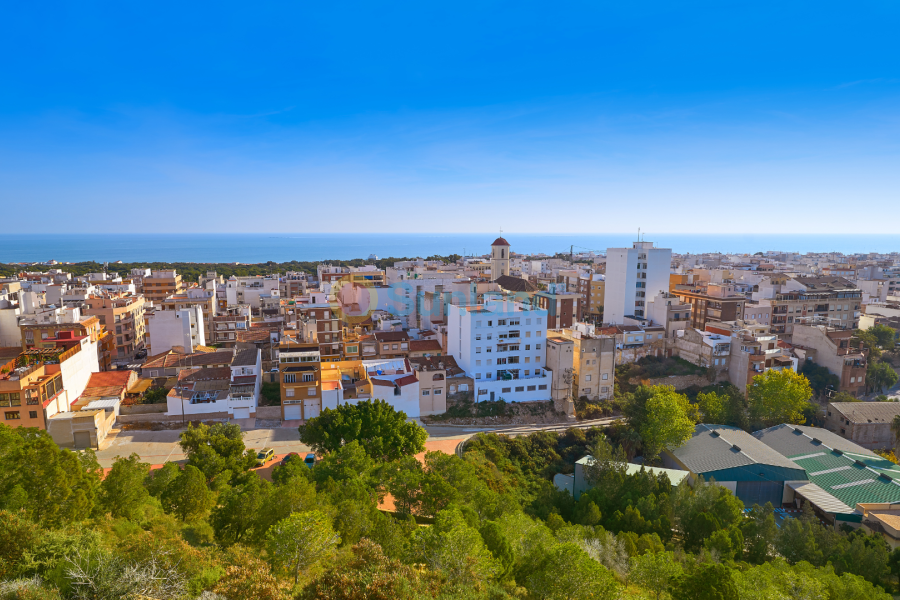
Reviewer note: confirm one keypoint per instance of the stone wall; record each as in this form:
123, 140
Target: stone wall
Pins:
679, 382
142, 409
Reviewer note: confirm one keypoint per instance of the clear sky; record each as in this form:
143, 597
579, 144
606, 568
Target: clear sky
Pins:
569, 116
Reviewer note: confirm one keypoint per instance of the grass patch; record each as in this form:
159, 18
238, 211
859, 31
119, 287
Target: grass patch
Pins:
270, 394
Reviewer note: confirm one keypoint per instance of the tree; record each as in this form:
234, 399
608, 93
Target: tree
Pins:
712, 407
53, 485
187, 496
381, 430
158, 480
705, 582
17, 536
669, 421
455, 548
655, 571
404, 480
239, 509
880, 375
250, 580
499, 547
216, 449
122, 492
566, 572
779, 397
820, 378
300, 541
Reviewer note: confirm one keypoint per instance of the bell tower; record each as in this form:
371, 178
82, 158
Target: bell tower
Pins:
499, 258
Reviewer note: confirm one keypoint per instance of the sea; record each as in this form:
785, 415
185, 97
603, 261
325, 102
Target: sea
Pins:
263, 247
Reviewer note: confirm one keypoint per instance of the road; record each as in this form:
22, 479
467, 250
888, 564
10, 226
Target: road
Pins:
158, 447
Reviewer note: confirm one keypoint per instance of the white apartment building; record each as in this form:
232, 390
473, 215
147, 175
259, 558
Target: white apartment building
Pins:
182, 328
633, 277
501, 344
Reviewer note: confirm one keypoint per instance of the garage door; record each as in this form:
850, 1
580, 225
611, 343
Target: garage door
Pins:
310, 408
242, 413
82, 439
292, 411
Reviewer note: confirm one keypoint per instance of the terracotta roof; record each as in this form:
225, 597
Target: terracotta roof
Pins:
425, 346
99, 391
383, 382
500, 242
406, 380
515, 284
245, 358
391, 336
111, 378
253, 336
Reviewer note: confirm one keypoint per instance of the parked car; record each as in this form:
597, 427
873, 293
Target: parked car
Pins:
264, 456
291, 456
310, 460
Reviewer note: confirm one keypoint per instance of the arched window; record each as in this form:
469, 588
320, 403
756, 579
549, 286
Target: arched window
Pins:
502, 253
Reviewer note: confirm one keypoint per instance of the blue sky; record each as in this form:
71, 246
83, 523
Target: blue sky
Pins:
465, 116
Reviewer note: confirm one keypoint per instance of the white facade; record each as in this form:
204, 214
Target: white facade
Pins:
502, 346
634, 276
77, 369
176, 328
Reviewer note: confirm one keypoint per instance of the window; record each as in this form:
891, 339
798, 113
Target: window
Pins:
32, 414
527, 372
520, 388
477, 349
477, 375
528, 359
542, 387
478, 336
12, 415
587, 378
386, 347
853, 380
505, 390
439, 392
490, 323
395, 347
477, 323
426, 392
528, 321
311, 391
289, 392
605, 376
490, 361
290, 378
477, 363
539, 320
537, 346
307, 377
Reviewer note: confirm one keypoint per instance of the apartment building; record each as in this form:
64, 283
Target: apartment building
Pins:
633, 277
159, 285
669, 312
560, 305
318, 323
123, 317
229, 323
190, 298
714, 302
834, 299
865, 423
299, 371
560, 359
183, 330
500, 345
592, 362
229, 391
30, 391
44, 329
834, 348
436, 374
591, 291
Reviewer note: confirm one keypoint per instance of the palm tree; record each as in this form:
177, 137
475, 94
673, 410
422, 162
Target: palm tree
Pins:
631, 440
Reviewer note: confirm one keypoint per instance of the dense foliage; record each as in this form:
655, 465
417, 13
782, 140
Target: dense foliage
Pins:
485, 525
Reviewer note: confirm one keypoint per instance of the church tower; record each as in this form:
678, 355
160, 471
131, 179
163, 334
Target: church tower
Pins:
499, 258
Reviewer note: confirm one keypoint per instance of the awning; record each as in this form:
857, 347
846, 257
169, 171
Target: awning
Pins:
140, 386
818, 496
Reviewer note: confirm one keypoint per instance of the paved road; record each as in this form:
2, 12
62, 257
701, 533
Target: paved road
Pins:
157, 447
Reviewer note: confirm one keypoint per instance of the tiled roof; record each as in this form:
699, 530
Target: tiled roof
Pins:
717, 447
794, 440
254, 335
515, 284
391, 336
110, 378
500, 242
100, 391
223, 357
209, 374
425, 346
245, 358
407, 380
434, 363
868, 412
